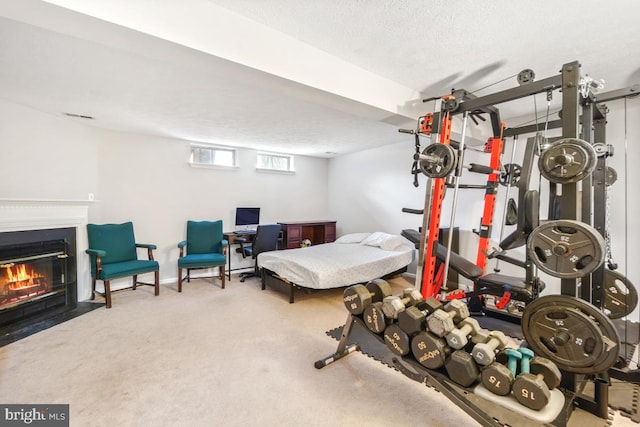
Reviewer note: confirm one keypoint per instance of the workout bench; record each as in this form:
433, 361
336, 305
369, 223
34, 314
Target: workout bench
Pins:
491, 284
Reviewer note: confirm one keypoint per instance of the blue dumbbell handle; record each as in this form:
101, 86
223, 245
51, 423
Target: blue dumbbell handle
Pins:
512, 363
527, 355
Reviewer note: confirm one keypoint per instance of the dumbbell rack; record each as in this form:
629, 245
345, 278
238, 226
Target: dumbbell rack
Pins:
354, 336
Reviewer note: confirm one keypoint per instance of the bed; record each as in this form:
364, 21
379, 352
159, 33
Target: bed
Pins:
352, 258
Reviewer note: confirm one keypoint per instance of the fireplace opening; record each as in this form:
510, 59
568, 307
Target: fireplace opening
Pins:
37, 273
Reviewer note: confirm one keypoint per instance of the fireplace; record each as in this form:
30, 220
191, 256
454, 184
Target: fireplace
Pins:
37, 273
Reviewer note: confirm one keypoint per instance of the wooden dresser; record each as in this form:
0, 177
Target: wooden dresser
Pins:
293, 233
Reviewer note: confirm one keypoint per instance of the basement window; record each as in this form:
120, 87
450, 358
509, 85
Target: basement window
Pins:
274, 162
213, 156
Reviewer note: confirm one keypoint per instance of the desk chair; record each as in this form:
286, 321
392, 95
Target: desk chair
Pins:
265, 240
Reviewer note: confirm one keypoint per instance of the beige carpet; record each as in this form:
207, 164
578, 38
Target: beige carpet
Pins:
212, 357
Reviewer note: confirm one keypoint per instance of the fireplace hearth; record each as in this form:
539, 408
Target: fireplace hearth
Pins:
37, 273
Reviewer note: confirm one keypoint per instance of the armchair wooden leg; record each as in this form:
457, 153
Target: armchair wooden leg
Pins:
107, 293
135, 281
157, 283
93, 289
222, 275
179, 279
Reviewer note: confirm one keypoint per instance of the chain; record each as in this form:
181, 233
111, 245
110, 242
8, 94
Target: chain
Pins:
607, 220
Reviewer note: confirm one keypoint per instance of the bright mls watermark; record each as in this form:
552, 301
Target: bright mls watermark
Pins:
34, 415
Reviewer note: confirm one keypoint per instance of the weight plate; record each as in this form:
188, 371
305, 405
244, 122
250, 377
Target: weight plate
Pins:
510, 175
441, 162
567, 161
566, 248
620, 295
610, 176
572, 333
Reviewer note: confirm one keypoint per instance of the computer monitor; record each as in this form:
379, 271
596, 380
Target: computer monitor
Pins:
247, 218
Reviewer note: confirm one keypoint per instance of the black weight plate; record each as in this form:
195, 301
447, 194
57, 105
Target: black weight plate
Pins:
442, 160
566, 248
572, 333
567, 161
620, 295
564, 335
511, 174
609, 332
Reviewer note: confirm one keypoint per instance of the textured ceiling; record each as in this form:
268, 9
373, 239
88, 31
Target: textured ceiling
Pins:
435, 45
133, 79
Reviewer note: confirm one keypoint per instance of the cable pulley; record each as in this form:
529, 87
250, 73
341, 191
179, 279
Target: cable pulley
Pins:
526, 76
567, 161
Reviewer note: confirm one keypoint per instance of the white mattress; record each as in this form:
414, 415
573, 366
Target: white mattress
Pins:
334, 265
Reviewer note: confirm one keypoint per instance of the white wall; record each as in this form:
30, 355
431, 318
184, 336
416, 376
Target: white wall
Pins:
44, 156
146, 180
368, 190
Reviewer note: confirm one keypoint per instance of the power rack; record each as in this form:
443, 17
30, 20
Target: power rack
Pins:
586, 390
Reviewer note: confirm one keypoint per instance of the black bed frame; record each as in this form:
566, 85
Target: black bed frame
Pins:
276, 281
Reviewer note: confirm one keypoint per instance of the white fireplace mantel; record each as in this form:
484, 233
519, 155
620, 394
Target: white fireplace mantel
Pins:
26, 214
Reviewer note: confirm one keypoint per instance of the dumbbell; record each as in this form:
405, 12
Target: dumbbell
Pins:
394, 304
498, 378
413, 319
358, 297
397, 340
480, 336
539, 375
429, 350
485, 353
441, 322
458, 337
375, 319
461, 368
398, 336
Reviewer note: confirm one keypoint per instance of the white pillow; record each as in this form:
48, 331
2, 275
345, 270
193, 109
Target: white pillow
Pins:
376, 239
394, 242
385, 241
352, 238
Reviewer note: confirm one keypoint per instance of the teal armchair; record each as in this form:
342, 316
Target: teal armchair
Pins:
205, 248
113, 253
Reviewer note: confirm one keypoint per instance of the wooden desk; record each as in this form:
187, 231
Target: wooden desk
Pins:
293, 233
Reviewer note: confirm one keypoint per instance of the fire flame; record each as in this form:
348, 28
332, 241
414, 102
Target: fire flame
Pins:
20, 274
